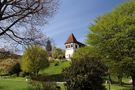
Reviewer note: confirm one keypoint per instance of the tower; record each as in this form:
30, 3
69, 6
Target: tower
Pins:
71, 45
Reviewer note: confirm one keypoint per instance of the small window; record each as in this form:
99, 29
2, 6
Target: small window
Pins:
67, 46
71, 45
75, 46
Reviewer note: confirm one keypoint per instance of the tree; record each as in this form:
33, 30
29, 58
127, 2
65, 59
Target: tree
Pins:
48, 45
113, 35
58, 53
8, 66
16, 16
15, 69
36, 37
34, 59
86, 71
6, 54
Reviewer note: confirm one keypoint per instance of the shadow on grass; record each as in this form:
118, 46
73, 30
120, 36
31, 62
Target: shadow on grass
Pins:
54, 78
2, 88
126, 87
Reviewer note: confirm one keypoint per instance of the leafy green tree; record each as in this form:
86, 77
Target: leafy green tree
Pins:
34, 59
58, 53
113, 35
86, 71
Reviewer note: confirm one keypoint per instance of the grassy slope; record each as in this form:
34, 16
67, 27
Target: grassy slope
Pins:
52, 69
20, 83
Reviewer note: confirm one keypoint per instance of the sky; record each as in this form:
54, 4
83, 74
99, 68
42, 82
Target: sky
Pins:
75, 16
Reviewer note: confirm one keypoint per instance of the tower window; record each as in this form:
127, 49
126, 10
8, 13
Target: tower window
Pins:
75, 46
67, 46
71, 45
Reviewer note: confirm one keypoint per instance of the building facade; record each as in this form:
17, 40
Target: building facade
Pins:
71, 45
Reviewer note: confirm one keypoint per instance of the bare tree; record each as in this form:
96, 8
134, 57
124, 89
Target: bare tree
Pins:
16, 16
35, 36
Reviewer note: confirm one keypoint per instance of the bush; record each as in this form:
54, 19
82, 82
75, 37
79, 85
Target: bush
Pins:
23, 74
58, 53
35, 85
38, 85
34, 59
57, 63
15, 69
10, 66
86, 72
49, 86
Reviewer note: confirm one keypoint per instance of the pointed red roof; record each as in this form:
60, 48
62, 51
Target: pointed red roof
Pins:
71, 39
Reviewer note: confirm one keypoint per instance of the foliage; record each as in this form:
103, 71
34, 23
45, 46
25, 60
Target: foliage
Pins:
12, 84
86, 71
58, 53
5, 53
48, 46
9, 66
49, 85
113, 35
37, 85
57, 63
15, 69
34, 59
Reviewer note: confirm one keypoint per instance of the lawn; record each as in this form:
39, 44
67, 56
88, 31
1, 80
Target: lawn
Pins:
18, 83
54, 69
118, 87
13, 84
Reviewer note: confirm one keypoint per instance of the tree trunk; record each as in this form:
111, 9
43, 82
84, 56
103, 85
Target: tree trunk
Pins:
120, 79
109, 76
133, 82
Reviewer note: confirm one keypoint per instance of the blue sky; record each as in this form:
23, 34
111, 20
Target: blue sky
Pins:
75, 16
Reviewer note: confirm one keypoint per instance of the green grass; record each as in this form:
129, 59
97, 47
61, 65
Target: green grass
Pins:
118, 87
13, 84
53, 70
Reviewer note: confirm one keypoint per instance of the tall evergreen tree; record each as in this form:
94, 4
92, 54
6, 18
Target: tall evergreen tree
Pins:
48, 46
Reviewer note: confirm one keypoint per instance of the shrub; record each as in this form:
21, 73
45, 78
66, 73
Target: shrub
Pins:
10, 66
57, 63
15, 69
34, 59
86, 72
38, 85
